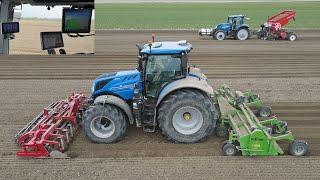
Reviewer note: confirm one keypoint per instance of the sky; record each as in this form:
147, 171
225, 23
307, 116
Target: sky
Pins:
29, 11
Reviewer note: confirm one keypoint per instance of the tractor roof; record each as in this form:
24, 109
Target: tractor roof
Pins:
239, 15
167, 47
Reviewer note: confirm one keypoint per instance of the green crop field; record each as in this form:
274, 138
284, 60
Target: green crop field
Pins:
198, 15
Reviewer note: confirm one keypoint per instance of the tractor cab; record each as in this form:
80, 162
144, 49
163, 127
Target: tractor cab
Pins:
232, 24
235, 21
161, 63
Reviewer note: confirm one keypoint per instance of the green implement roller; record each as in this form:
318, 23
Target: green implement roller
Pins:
247, 133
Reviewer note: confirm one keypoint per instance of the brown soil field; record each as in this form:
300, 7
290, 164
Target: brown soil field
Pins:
28, 40
285, 74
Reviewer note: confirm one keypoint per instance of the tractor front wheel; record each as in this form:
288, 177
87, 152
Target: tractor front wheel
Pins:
187, 116
220, 35
104, 124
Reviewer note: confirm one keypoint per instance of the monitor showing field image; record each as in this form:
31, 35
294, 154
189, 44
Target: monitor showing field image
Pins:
76, 20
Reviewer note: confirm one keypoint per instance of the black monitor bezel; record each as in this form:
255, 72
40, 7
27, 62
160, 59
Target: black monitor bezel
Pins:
4, 23
42, 43
63, 21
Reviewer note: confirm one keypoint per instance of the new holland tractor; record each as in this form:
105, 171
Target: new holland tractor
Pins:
235, 27
163, 91
166, 92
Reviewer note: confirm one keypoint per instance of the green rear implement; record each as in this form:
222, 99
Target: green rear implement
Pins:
248, 134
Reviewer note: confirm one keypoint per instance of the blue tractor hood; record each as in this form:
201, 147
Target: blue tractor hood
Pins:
223, 26
120, 84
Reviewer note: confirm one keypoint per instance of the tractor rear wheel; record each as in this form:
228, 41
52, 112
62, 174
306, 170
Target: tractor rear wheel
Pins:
187, 116
104, 124
220, 35
242, 34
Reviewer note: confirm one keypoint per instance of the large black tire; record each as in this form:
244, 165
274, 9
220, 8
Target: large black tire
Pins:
194, 101
229, 149
222, 131
265, 111
298, 148
113, 123
243, 34
292, 36
220, 35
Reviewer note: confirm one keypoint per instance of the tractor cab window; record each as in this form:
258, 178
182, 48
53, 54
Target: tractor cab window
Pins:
235, 22
161, 69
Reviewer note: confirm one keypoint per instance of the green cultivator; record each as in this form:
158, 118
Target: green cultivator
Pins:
247, 133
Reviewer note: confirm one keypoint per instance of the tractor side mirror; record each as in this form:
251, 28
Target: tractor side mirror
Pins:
139, 49
184, 64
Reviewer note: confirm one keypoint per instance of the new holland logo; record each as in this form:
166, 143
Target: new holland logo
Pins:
128, 86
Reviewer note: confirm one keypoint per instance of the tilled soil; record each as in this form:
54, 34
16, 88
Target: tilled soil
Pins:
285, 74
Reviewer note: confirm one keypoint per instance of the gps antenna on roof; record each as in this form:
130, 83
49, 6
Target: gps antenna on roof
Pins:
153, 36
150, 45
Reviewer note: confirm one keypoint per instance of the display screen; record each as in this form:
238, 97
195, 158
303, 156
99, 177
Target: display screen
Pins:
76, 20
10, 27
59, 1
51, 40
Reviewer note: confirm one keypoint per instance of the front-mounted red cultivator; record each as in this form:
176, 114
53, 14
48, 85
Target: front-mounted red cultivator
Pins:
48, 135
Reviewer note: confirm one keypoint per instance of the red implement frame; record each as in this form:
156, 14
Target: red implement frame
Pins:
52, 129
281, 19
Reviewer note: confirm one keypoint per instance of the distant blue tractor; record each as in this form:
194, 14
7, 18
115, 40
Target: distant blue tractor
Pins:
235, 27
164, 91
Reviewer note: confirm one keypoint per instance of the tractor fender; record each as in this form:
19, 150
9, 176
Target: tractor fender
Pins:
190, 82
244, 26
114, 100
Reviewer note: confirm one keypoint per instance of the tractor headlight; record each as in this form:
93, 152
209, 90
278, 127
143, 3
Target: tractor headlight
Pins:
204, 76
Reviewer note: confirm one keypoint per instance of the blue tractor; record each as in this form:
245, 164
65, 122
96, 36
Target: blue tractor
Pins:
164, 91
235, 27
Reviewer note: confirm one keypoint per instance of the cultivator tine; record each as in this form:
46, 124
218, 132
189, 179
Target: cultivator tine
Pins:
48, 135
31, 124
58, 155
